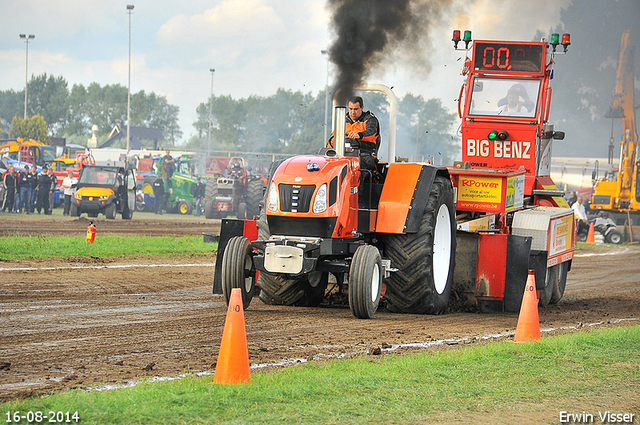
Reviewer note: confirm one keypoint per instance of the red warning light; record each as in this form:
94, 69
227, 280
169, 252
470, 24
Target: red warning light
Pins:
456, 38
566, 41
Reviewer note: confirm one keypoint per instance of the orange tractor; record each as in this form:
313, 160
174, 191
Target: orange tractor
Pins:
411, 233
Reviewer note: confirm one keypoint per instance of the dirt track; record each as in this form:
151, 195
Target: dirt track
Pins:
77, 323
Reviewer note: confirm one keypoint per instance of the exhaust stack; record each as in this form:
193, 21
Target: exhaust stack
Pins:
338, 131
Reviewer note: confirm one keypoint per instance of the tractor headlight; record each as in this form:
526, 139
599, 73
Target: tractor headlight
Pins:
320, 203
272, 201
77, 195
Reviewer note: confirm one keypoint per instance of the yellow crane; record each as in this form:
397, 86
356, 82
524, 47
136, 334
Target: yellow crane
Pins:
619, 193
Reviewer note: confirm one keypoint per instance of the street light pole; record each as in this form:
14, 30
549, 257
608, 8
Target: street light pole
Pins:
129, 11
26, 69
326, 100
210, 116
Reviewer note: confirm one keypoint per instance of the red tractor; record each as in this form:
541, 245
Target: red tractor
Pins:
234, 191
411, 233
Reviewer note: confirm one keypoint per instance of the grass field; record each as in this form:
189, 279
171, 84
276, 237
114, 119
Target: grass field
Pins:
19, 247
43, 246
495, 383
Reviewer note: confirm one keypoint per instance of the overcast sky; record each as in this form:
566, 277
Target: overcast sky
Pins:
255, 46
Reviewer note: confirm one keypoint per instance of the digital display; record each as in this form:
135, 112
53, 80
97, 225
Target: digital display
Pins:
508, 57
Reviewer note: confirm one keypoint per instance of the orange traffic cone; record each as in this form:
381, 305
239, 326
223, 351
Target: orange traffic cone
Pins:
233, 359
591, 236
528, 328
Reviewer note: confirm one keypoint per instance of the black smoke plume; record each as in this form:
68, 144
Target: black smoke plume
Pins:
369, 31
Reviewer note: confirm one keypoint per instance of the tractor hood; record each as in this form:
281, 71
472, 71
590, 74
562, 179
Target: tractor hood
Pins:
309, 193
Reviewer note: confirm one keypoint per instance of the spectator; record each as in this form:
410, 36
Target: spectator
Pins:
26, 180
43, 188
54, 185
68, 186
21, 189
169, 168
580, 213
33, 184
573, 198
158, 193
9, 181
198, 193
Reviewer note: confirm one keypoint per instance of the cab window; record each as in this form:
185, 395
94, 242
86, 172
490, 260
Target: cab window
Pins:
508, 97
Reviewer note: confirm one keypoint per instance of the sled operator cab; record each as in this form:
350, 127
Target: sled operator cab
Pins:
504, 106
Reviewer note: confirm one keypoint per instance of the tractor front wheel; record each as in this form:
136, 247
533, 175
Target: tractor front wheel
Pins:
185, 208
238, 270
365, 282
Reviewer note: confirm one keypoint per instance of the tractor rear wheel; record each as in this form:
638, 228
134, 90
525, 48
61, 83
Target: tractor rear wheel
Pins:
254, 194
425, 259
238, 270
365, 282
560, 281
210, 194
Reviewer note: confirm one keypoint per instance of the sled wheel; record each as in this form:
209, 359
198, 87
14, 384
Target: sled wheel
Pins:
550, 279
560, 281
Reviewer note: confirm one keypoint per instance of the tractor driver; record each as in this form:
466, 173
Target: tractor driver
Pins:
363, 129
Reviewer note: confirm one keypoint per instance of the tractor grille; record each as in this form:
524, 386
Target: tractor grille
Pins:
295, 197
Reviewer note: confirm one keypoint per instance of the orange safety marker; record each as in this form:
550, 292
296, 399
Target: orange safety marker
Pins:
528, 328
591, 236
233, 359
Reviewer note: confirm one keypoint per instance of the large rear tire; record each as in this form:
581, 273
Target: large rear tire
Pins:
238, 270
242, 211
210, 194
365, 282
254, 194
425, 260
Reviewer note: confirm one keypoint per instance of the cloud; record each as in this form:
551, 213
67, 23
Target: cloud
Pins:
231, 20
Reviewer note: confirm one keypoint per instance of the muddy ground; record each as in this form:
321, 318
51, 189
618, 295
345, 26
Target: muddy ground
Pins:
90, 322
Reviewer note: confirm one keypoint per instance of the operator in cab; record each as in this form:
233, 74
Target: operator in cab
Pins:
363, 129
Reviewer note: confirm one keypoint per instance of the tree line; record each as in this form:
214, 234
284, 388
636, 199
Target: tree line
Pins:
72, 112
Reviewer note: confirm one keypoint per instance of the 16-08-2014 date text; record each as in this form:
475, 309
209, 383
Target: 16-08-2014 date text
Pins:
42, 417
